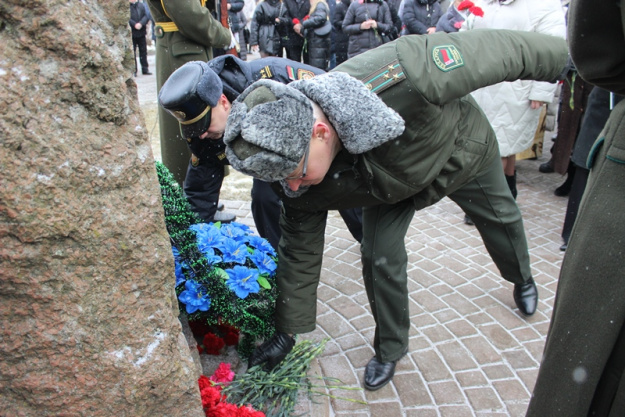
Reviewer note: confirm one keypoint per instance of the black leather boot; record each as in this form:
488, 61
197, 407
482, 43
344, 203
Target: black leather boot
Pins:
526, 297
511, 180
378, 374
272, 351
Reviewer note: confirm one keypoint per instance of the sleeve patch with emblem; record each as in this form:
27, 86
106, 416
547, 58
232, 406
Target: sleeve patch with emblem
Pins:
299, 74
447, 57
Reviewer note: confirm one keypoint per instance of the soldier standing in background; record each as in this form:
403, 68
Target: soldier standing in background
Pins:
187, 31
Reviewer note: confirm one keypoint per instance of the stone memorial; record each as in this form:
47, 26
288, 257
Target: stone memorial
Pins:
88, 317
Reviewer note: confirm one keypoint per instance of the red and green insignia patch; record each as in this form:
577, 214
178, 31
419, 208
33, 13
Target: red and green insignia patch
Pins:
300, 74
447, 57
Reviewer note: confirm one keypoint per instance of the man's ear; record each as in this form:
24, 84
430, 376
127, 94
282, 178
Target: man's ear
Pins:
321, 130
224, 101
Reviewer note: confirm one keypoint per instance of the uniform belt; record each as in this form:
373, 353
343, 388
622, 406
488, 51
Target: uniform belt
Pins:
161, 27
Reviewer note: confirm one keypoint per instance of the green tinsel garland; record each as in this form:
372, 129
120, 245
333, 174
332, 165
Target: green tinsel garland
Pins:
254, 315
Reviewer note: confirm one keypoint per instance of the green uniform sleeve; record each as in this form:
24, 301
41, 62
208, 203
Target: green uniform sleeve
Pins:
597, 36
196, 23
447, 66
300, 253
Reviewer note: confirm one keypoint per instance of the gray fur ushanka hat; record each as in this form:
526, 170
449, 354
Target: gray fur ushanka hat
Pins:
268, 131
270, 124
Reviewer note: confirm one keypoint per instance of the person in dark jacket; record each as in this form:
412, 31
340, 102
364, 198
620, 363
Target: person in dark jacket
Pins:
138, 22
232, 77
316, 28
582, 372
393, 6
364, 23
292, 41
237, 22
264, 34
341, 39
393, 130
596, 113
421, 16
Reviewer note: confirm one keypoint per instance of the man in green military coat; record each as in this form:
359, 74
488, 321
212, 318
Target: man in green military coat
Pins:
393, 130
583, 368
185, 31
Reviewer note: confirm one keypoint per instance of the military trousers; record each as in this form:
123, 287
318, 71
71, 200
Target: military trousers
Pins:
487, 199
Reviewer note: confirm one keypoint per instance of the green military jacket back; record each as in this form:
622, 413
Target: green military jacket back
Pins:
447, 139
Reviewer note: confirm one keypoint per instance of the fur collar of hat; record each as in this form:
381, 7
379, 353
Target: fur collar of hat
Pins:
361, 119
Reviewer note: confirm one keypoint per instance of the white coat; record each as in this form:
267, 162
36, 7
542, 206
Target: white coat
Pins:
507, 104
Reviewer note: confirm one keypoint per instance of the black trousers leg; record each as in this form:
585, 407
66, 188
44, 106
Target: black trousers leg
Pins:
353, 220
201, 187
266, 208
143, 53
580, 179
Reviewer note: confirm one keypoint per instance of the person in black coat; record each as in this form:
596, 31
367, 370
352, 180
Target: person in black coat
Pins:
138, 21
341, 38
364, 22
421, 16
316, 28
292, 42
264, 34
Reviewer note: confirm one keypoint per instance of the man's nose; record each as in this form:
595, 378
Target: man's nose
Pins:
294, 184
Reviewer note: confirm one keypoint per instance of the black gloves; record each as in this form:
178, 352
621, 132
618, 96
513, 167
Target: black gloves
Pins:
272, 351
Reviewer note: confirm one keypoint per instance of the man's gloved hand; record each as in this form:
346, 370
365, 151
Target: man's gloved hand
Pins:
272, 351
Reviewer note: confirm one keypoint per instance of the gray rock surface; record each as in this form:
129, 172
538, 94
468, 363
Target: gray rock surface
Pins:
89, 318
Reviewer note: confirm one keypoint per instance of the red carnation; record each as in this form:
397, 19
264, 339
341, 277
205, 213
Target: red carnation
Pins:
296, 21
244, 411
465, 5
221, 410
211, 397
213, 344
223, 374
477, 11
231, 338
204, 382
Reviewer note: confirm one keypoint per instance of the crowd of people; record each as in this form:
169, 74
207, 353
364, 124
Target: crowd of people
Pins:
454, 133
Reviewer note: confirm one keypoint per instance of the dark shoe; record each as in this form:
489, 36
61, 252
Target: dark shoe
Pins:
467, 220
546, 168
273, 351
147, 73
563, 247
526, 297
563, 190
220, 206
224, 217
378, 374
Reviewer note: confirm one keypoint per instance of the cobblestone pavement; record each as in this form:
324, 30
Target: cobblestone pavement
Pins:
471, 352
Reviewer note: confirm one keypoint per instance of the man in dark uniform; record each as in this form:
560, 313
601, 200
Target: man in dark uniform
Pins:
199, 95
393, 130
186, 31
